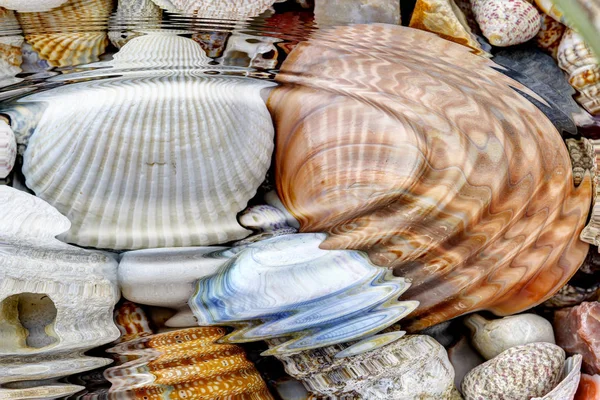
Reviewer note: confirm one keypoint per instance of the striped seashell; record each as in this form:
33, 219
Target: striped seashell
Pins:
132, 322
576, 58
31, 5
8, 149
506, 22
287, 286
141, 174
184, 364
413, 367
521, 372
446, 20
550, 35
405, 174
217, 9
134, 15
567, 388
56, 300
70, 46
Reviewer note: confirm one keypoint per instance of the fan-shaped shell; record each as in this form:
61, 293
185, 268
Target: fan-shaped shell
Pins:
56, 300
162, 160
436, 167
184, 364
576, 58
506, 22
287, 286
69, 46
217, 9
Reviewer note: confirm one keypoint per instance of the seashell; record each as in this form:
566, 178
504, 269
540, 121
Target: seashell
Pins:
491, 338
173, 195
213, 43
67, 48
550, 35
245, 50
266, 221
184, 364
217, 9
589, 388
413, 367
8, 149
287, 286
591, 233
446, 207
166, 277
577, 60
10, 49
335, 12
521, 372
463, 358
445, 19
506, 22
31, 5
577, 331
56, 300
567, 388
130, 15
550, 9
132, 322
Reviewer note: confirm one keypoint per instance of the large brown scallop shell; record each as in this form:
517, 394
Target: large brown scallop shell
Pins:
414, 150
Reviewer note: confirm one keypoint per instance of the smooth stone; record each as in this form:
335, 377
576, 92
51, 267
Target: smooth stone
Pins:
589, 387
332, 12
492, 337
519, 373
463, 358
578, 331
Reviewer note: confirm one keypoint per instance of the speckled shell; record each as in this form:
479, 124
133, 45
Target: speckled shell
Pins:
132, 322
550, 35
446, 20
67, 48
576, 59
413, 367
567, 388
217, 9
521, 372
184, 364
396, 166
31, 5
492, 337
287, 287
56, 300
506, 22
131, 172
8, 149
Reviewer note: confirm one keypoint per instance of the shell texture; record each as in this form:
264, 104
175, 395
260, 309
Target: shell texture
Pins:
8, 149
491, 338
403, 174
150, 160
519, 373
132, 15
445, 19
567, 388
218, 9
507, 22
550, 35
550, 9
70, 46
31, 5
132, 322
56, 300
185, 364
10, 49
265, 221
413, 367
576, 58
287, 286
245, 50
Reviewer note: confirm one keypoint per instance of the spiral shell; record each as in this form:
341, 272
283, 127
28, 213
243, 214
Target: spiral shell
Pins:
396, 166
506, 22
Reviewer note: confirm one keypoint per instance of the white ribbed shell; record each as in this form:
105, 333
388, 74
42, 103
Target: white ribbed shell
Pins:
219, 9
8, 149
151, 161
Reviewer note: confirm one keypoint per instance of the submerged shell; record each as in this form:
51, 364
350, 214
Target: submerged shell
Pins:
397, 166
129, 17
8, 149
567, 388
576, 58
445, 19
56, 300
68, 48
507, 22
157, 160
184, 364
519, 373
217, 9
413, 367
287, 287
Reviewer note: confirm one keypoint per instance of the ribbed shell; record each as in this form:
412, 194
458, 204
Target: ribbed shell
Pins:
576, 58
217, 9
8, 149
185, 364
10, 49
134, 14
153, 161
71, 45
420, 154
506, 22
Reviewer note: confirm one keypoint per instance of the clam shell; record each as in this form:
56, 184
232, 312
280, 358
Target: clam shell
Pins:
521, 372
403, 173
577, 60
567, 388
446, 20
184, 364
131, 172
56, 300
413, 367
287, 286
506, 22
217, 9
8, 149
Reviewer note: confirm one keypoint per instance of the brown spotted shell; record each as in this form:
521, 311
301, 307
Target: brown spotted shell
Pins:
414, 150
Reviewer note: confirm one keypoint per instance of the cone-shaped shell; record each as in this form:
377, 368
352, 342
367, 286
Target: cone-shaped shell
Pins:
185, 364
436, 167
506, 22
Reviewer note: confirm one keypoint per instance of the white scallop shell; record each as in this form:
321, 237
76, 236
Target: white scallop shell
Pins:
8, 149
217, 9
151, 161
